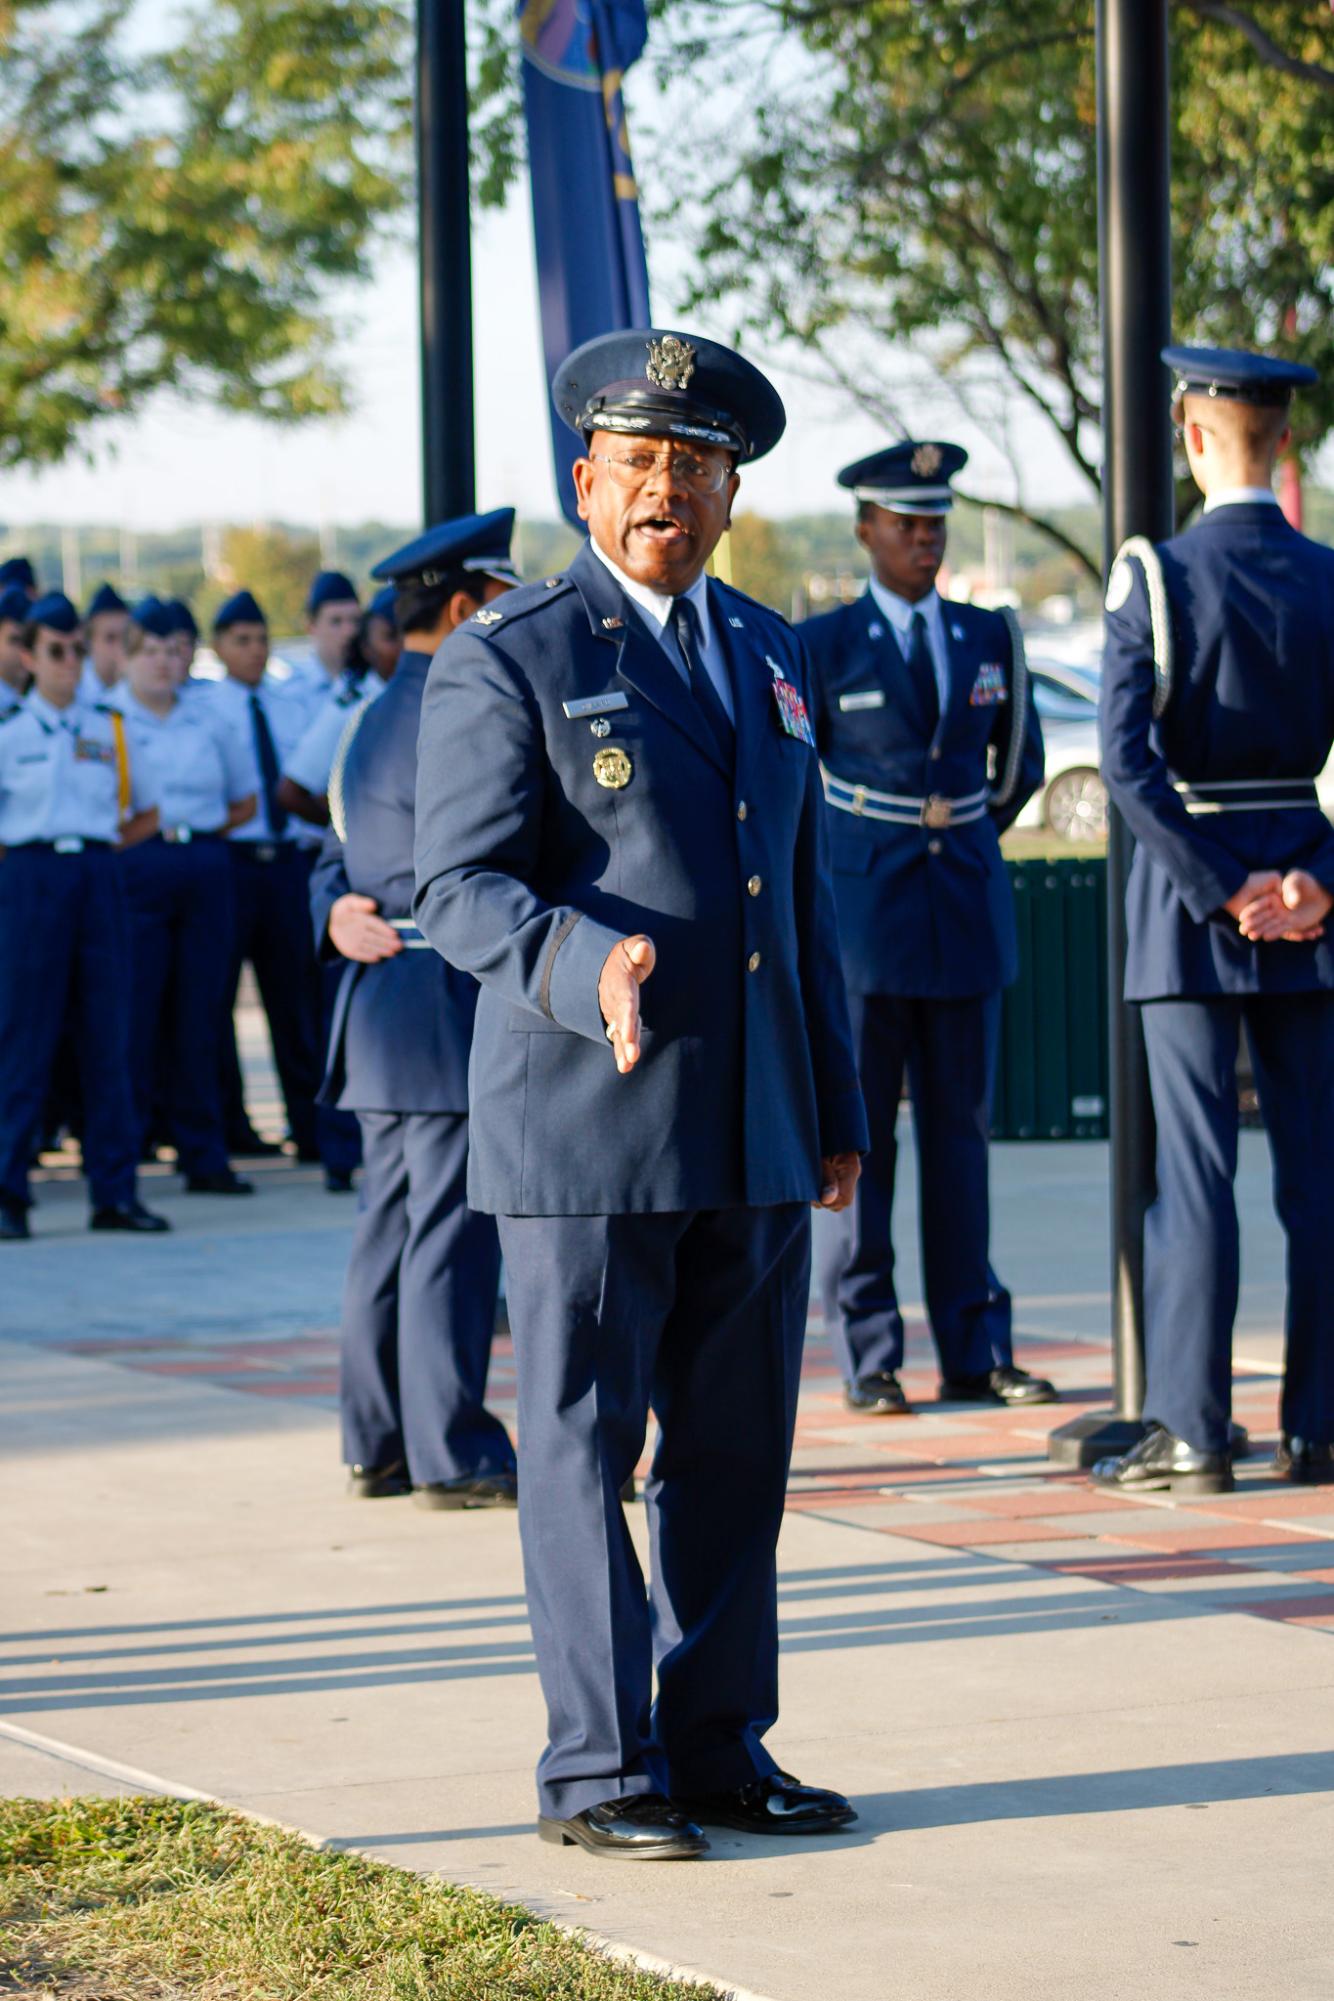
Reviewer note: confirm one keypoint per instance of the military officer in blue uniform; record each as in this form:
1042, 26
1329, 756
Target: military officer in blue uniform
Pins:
14, 675
419, 1301
620, 832
1217, 717
69, 792
181, 904
930, 746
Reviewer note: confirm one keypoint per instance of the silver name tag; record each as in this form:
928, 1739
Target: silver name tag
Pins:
596, 705
869, 698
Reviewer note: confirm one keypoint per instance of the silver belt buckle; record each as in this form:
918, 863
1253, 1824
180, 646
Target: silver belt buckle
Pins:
937, 811
182, 836
69, 844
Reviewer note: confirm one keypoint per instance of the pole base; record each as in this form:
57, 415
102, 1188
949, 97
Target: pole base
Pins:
1097, 1434
1102, 1434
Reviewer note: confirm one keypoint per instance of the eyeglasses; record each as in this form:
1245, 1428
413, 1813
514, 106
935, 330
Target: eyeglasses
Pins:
63, 650
634, 469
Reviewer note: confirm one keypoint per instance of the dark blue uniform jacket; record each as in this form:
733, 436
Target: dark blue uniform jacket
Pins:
1252, 696
529, 871
401, 1029
922, 912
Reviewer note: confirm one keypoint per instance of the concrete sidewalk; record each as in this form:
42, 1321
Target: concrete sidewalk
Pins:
1090, 1741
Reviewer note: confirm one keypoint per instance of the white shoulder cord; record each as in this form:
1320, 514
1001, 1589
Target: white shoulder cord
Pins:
1014, 750
1160, 615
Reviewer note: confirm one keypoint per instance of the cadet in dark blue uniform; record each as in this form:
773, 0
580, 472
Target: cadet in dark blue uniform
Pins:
419, 1301
1217, 717
69, 790
930, 746
618, 789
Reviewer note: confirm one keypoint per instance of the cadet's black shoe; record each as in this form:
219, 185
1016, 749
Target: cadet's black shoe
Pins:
1304, 1462
337, 1181
249, 1146
377, 1483
224, 1183
474, 1490
644, 1827
1005, 1385
1160, 1463
128, 1216
776, 1804
878, 1395
13, 1225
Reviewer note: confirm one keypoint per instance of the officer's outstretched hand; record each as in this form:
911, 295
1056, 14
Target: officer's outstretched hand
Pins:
624, 971
839, 1174
357, 933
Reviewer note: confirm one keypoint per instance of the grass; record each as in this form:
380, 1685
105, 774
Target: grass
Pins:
163, 1900
1036, 844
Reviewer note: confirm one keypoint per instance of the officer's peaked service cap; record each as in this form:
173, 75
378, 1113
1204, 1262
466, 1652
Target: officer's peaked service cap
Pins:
14, 604
909, 478
477, 542
1234, 373
242, 608
105, 598
55, 612
652, 383
330, 587
18, 570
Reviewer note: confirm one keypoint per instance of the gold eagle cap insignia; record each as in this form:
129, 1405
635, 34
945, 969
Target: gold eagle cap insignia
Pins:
671, 362
926, 460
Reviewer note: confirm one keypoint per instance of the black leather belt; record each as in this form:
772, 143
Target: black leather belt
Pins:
263, 851
68, 844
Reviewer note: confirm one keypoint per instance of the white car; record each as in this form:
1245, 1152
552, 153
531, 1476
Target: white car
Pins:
1072, 800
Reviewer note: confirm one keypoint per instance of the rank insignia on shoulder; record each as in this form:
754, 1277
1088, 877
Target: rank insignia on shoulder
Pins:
612, 624
613, 769
487, 617
989, 687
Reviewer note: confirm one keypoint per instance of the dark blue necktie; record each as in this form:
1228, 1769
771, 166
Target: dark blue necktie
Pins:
691, 642
268, 767
921, 668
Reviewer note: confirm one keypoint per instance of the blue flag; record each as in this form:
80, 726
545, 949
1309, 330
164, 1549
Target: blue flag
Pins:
592, 276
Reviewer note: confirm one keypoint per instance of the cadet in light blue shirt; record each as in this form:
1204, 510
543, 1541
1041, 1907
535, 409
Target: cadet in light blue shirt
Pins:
182, 905
68, 792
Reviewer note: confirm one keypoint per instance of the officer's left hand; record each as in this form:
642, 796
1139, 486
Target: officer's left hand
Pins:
1295, 913
839, 1174
357, 933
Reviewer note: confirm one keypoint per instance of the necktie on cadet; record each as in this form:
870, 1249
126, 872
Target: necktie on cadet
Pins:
691, 642
921, 668
268, 767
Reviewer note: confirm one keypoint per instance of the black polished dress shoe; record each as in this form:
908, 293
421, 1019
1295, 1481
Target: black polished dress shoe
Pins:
337, 1181
1006, 1385
249, 1146
1164, 1463
128, 1216
878, 1395
776, 1804
1304, 1461
13, 1225
377, 1483
473, 1490
643, 1827
225, 1182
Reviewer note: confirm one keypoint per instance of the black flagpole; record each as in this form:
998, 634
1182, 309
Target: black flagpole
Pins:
448, 464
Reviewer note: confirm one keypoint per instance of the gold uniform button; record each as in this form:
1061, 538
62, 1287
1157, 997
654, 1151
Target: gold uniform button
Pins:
933, 847
741, 809
755, 885
753, 963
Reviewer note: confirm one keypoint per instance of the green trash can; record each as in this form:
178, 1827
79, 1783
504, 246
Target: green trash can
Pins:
1051, 1075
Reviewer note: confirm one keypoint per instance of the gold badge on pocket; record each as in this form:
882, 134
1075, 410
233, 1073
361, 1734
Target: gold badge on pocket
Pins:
613, 769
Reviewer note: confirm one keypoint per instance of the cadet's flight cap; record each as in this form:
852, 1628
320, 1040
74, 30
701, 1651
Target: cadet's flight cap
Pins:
105, 598
54, 611
145, 610
479, 542
14, 604
1234, 373
242, 608
384, 603
176, 616
654, 384
154, 618
18, 570
911, 478
330, 587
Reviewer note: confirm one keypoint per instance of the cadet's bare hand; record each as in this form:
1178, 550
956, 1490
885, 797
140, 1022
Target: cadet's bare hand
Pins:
357, 932
624, 971
1257, 902
1306, 905
839, 1174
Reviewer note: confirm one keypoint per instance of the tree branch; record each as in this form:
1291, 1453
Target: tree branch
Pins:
1019, 512
1264, 45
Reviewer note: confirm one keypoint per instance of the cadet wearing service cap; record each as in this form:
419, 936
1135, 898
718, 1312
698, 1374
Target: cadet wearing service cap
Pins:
419, 1302
620, 832
1217, 718
930, 746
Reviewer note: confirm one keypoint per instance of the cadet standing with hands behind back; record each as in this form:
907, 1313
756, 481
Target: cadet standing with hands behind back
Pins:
620, 833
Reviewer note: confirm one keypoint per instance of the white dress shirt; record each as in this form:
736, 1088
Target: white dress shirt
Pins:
59, 778
898, 614
1239, 496
659, 610
193, 760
